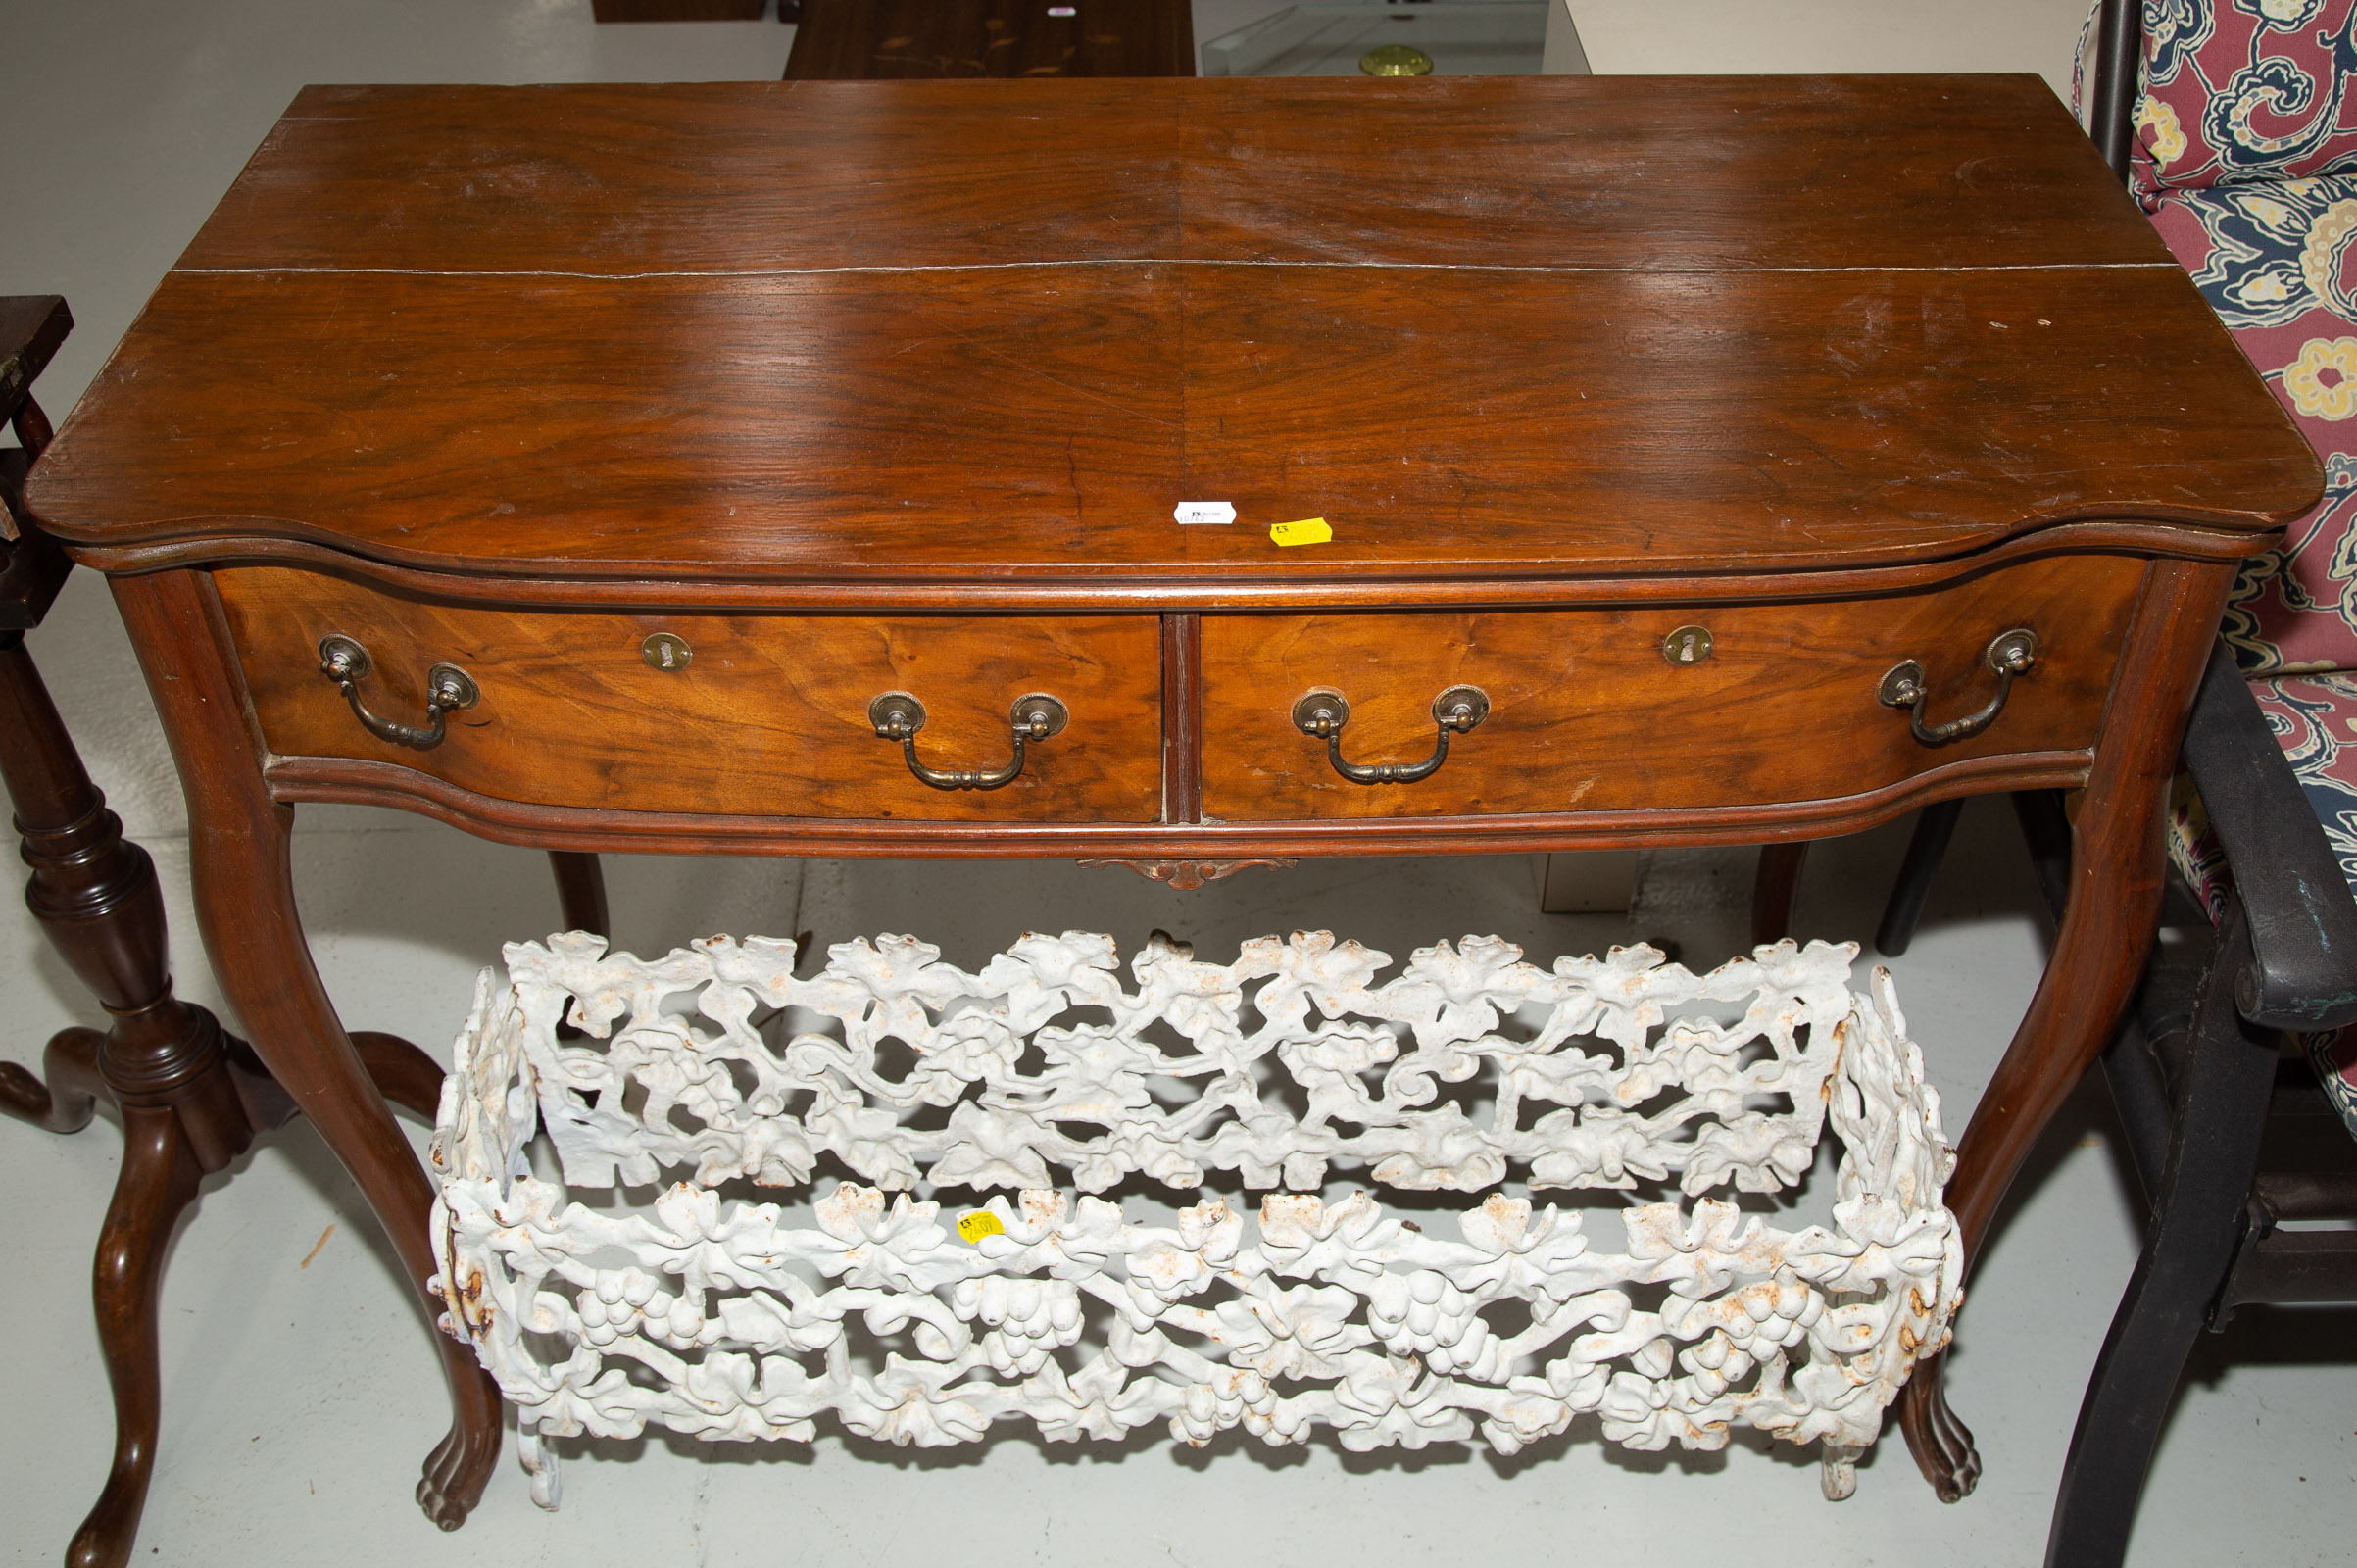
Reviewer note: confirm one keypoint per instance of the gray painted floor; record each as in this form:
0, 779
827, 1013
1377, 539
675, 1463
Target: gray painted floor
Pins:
300, 1390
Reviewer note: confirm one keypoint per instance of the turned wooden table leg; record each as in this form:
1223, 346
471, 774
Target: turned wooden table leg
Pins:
2116, 873
1776, 890
246, 908
580, 891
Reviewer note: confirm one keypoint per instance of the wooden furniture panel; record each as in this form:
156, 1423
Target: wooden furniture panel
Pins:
628, 180
674, 426
1554, 171
1043, 423
1587, 714
1667, 174
1587, 426
850, 40
768, 718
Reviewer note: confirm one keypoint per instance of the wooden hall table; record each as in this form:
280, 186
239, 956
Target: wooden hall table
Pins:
683, 450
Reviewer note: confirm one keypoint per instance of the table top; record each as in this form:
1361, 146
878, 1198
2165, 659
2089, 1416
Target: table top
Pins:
874, 332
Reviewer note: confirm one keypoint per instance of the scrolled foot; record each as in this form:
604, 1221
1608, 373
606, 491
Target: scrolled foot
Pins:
106, 1536
539, 1463
63, 1103
1943, 1445
456, 1471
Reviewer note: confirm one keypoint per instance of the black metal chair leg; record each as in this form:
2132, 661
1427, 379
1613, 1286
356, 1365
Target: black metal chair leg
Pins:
2196, 1217
2046, 829
1932, 829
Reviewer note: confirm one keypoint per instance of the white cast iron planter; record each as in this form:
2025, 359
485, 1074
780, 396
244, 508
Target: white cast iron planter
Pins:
716, 1318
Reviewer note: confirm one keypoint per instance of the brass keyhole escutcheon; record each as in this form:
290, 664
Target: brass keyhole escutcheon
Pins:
1688, 645
666, 651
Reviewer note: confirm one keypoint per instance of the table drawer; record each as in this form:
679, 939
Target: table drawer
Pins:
768, 717
1588, 713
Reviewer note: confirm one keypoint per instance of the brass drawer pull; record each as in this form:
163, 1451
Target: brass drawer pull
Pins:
1321, 715
2011, 654
898, 716
448, 688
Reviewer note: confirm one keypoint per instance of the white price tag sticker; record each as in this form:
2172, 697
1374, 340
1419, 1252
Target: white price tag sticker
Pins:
1213, 511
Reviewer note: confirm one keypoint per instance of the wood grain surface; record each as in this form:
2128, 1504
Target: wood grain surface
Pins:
1034, 423
1663, 174
1489, 328
705, 178
768, 719
1587, 715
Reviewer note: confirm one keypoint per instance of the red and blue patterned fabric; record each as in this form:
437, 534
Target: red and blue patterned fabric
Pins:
2247, 160
2274, 260
2244, 91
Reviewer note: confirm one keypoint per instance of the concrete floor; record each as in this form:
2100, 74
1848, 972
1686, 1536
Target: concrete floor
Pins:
299, 1388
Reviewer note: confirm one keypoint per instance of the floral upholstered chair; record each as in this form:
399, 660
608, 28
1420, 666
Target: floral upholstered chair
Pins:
2246, 157
2235, 125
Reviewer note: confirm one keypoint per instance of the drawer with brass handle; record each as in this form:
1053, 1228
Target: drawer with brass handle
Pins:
1646, 707
730, 715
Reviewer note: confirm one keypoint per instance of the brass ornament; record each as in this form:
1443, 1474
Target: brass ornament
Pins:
1395, 60
1321, 714
448, 689
899, 715
1905, 687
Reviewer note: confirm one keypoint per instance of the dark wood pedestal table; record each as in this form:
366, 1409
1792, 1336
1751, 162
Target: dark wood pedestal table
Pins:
192, 1096
1710, 460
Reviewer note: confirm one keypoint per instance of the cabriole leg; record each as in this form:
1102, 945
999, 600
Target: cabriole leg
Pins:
60, 1100
158, 1179
2116, 875
246, 908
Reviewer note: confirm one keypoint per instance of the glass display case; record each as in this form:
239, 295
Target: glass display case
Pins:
1332, 38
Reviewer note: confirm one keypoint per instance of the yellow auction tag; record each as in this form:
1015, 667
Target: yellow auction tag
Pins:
978, 1224
1308, 531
